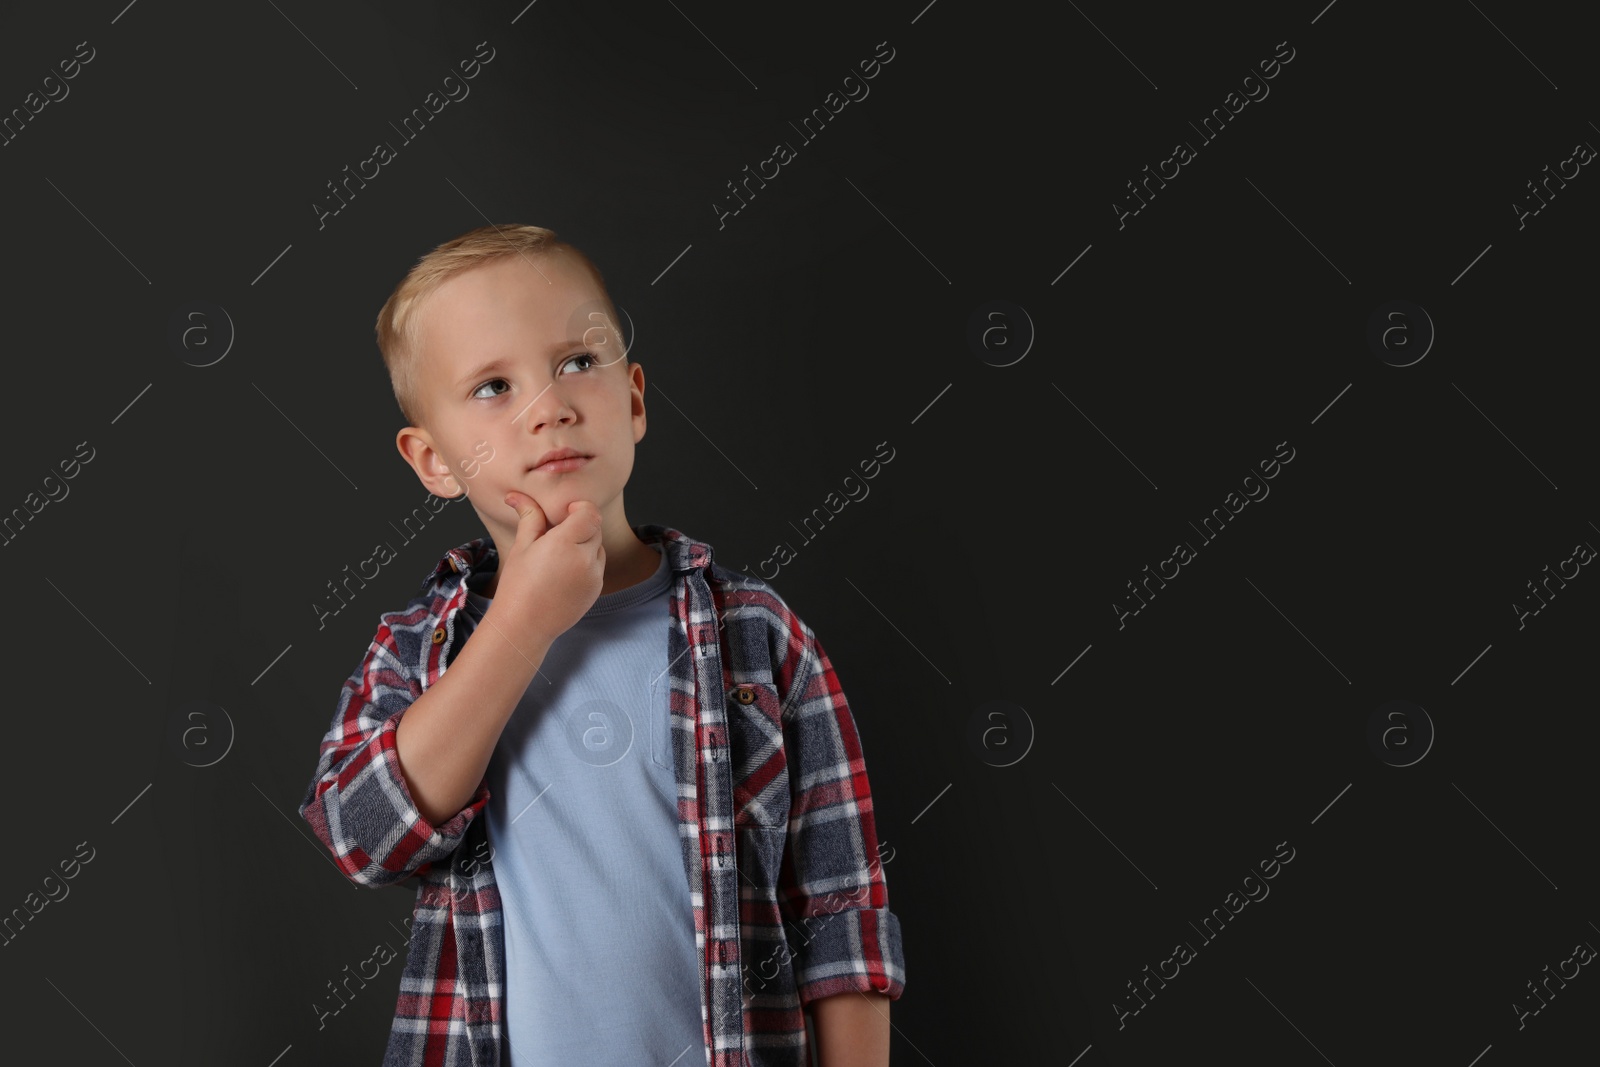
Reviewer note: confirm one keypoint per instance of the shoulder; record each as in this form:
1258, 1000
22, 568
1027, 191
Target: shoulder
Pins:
409, 631
429, 605
761, 633
737, 592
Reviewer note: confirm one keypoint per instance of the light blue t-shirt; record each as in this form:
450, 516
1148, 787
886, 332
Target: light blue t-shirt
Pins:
601, 966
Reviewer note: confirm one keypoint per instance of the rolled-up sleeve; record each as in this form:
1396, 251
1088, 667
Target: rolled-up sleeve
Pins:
833, 894
358, 803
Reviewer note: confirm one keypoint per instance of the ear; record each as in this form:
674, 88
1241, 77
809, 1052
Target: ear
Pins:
433, 470
636, 386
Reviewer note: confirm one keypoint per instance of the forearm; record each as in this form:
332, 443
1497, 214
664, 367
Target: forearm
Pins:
447, 736
852, 1029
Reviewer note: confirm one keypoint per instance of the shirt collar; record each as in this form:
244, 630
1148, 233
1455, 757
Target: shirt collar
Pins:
683, 553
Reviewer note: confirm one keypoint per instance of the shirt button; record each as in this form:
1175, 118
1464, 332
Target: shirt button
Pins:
744, 695
438, 636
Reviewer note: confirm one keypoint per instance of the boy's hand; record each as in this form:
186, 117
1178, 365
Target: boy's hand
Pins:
550, 575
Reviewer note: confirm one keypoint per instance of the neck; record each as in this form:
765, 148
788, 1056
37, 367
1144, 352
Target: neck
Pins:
628, 562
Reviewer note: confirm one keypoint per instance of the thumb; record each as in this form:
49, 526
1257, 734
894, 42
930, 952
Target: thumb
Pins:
529, 513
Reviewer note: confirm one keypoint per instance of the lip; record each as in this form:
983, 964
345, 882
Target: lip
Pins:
561, 459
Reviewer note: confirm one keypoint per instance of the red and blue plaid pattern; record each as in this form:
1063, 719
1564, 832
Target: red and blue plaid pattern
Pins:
775, 818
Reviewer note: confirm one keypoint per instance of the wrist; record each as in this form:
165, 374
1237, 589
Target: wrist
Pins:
511, 623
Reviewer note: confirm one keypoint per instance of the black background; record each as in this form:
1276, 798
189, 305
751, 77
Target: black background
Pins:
828, 316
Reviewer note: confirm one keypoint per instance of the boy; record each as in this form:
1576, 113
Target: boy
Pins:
636, 803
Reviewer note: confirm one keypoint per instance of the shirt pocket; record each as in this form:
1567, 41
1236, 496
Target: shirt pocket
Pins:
658, 719
758, 755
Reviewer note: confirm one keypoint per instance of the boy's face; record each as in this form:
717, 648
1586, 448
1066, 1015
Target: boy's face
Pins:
557, 381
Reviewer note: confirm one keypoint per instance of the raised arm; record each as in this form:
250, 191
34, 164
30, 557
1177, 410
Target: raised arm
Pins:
360, 803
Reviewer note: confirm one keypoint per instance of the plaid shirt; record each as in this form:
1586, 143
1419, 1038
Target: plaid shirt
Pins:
774, 810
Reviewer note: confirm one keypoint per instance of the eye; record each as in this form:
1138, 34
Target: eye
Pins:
582, 355
490, 382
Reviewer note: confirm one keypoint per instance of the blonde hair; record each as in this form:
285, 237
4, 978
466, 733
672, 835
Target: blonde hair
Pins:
397, 326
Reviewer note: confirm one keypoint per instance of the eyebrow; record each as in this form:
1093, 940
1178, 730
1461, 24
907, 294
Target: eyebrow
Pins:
501, 364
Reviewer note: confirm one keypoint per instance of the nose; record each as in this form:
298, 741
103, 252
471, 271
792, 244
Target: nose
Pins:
548, 406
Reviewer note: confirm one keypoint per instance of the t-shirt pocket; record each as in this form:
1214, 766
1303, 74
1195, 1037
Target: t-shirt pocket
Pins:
658, 718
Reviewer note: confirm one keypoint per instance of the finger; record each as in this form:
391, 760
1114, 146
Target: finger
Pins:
530, 515
591, 530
